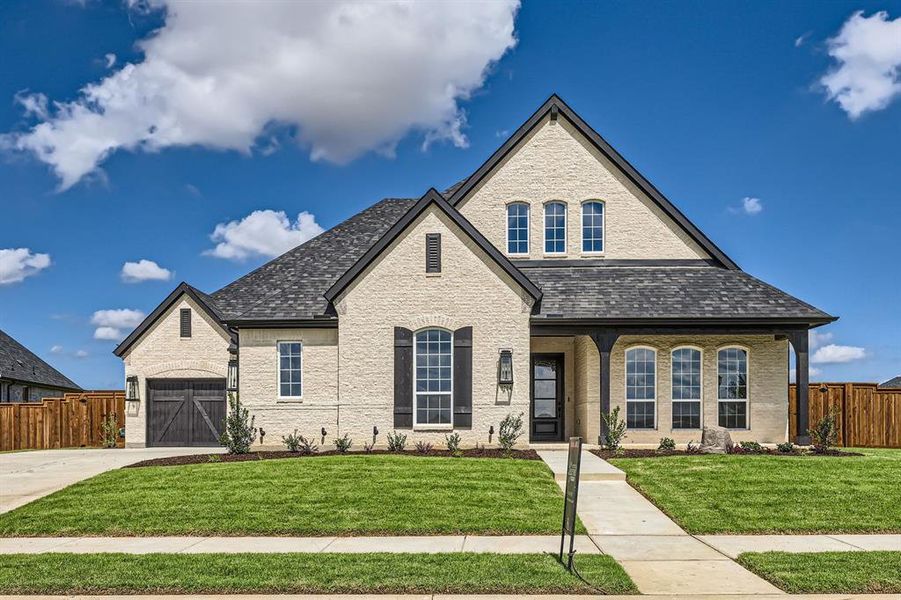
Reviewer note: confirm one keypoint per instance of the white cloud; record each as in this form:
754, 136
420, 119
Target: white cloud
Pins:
815, 339
811, 373
867, 51
833, 353
57, 349
18, 263
111, 322
343, 77
751, 206
81, 354
144, 270
110, 60
801, 39
262, 233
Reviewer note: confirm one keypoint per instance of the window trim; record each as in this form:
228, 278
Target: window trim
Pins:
626, 400
528, 228
565, 228
700, 400
603, 249
747, 399
432, 426
278, 369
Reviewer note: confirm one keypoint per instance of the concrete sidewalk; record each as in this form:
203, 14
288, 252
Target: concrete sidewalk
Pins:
591, 469
733, 545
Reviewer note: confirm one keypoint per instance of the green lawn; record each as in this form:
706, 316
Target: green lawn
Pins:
329, 495
457, 573
774, 494
829, 572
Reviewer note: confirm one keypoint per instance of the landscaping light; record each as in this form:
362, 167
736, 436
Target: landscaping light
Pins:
505, 368
231, 384
131, 388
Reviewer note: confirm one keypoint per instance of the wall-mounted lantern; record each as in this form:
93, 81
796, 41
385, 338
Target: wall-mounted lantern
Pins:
231, 381
505, 368
131, 388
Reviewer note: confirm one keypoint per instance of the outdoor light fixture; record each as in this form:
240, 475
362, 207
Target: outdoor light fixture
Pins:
505, 368
131, 388
375, 430
231, 384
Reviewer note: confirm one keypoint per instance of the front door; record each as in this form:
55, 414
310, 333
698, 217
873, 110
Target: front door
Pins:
547, 398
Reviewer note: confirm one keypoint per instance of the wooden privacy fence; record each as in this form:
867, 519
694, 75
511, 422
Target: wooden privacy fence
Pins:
71, 421
867, 417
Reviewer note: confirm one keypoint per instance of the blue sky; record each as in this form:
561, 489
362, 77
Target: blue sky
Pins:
715, 102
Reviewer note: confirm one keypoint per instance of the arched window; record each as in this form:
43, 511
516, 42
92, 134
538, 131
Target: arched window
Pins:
732, 387
686, 388
517, 228
433, 365
641, 388
555, 228
593, 226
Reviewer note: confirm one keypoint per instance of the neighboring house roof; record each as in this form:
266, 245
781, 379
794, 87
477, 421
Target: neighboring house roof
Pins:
432, 198
894, 382
21, 364
557, 107
664, 292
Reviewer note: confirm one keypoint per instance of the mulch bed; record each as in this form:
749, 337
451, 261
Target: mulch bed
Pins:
196, 459
649, 453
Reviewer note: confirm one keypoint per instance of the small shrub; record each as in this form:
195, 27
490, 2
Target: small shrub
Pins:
423, 447
453, 444
735, 449
109, 430
307, 446
751, 447
368, 447
615, 429
343, 444
239, 433
693, 448
214, 458
292, 441
396, 441
666, 445
509, 431
824, 434
785, 448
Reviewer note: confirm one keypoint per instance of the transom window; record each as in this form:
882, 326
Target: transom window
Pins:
555, 228
593, 227
686, 388
641, 388
732, 388
518, 228
433, 367
290, 362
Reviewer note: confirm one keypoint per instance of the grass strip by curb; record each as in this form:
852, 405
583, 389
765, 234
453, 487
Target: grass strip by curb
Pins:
458, 573
828, 572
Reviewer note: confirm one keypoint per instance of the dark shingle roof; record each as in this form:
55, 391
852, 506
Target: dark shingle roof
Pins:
605, 292
20, 363
894, 382
291, 286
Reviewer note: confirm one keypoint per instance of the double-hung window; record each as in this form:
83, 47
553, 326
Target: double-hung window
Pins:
641, 388
517, 228
686, 388
290, 364
732, 388
593, 227
555, 228
433, 385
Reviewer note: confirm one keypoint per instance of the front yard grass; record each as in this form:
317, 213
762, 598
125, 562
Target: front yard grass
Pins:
828, 572
774, 494
328, 495
456, 573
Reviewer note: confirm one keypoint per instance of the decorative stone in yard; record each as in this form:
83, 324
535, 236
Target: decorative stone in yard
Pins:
715, 440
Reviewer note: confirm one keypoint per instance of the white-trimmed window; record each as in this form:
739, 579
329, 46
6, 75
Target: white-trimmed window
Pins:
686, 380
641, 388
555, 228
433, 385
290, 367
592, 227
517, 228
732, 387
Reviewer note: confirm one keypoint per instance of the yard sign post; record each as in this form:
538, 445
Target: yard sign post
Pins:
573, 464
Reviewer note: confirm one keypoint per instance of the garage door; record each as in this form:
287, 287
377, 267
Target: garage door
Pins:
185, 412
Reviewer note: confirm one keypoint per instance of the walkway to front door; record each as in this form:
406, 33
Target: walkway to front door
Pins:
547, 398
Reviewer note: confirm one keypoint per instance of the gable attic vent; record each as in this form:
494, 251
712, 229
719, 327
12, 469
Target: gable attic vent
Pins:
433, 253
185, 322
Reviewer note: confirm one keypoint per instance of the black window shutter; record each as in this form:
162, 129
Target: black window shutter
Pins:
433, 253
463, 378
185, 322
403, 378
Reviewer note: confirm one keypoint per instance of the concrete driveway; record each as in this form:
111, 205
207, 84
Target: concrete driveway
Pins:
27, 476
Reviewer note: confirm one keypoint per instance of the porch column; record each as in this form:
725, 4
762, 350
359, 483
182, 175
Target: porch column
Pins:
604, 340
798, 339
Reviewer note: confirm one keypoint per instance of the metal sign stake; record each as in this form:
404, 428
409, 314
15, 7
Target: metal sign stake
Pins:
571, 497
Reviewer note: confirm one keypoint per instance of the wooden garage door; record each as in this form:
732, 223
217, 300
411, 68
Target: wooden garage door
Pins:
185, 412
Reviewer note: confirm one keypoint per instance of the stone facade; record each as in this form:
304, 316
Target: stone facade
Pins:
556, 163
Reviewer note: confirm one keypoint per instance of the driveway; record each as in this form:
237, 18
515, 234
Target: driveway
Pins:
27, 476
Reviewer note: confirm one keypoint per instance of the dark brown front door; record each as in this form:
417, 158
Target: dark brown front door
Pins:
547, 398
185, 412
